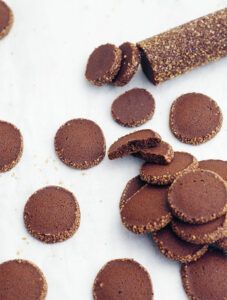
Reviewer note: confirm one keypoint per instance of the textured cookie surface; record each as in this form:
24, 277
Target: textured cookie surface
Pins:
52, 214
195, 118
133, 142
103, 64
198, 196
80, 144
205, 279
129, 64
21, 280
133, 108
6, 19
162, 154
123, 279
201, 233
222, 244
215, 165
164, 175
11, 146
147, 210
174, 248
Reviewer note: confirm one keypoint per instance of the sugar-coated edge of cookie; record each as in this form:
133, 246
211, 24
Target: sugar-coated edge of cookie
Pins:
7, 29
61, 236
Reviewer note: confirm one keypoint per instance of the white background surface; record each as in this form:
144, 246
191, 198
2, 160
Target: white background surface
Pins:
42, 64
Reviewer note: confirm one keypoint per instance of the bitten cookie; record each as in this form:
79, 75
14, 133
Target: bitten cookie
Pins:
207, 233
123, 279
165, 175
133, 108
129, 65
103, 64
21, 280
174, 248
6, 19
216, 165
80, 144
198, 197
52, 214
11, 146
195, 118
134, 142
205, 279
163, 154
147, 210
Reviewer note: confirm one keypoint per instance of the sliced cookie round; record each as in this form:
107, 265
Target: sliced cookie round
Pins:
133, 108
147, 210
134, 142
80, 144
123, 279
103, 64
200, 234
6, 19
222, 244
22, 280
129, 65
165, 175
174, 248
133, 185
205, 279
195, 118
198, 196
11, 146
215, 165
52, 214
162, 154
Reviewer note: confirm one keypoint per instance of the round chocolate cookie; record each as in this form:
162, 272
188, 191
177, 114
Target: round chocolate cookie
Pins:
123, 279
222, 244
200, 234
52, 214
21, 280
195, 118
162, 154
198, 197
11, 146
80, 144
103, 64
205, 279
147, 210
133, 108
129, 65
130, 189
174, 248
134, 142
6, 19
215, 165
165, 175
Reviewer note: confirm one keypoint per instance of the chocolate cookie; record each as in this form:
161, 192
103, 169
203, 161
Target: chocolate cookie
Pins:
162, 154
129, 65
11, 146
198, 197
133, 108
21, 280
103, 64
164, 175
174, 248
6, 19
123, 279
207, 233
52, 214
205, 279
215, 165
195, 118
222, 244
134, 142
80, 144
130, 189
146, 210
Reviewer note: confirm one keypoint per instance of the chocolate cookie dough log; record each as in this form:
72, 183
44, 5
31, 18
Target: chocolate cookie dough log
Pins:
185, 47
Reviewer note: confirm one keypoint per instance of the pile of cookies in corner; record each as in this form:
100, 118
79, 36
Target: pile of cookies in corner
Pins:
181, 204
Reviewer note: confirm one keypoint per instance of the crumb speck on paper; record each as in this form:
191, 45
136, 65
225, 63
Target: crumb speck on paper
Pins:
24, 238
18, 253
